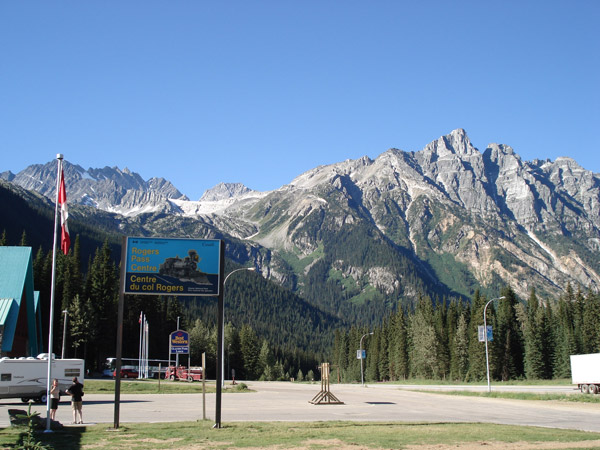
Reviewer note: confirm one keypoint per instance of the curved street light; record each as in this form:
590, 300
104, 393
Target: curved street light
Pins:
249, 269
362, 377
487, 359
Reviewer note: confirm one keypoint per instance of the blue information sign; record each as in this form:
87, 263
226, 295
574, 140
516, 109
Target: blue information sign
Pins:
171, 266
180, 342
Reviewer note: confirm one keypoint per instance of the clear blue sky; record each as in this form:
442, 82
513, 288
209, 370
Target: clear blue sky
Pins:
257, 92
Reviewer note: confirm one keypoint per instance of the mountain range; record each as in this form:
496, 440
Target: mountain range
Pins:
360, 235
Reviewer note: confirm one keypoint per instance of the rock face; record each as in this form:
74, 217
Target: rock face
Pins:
109, 189
446, 220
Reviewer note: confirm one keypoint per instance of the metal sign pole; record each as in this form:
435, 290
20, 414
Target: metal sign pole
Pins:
120, 331
220, 328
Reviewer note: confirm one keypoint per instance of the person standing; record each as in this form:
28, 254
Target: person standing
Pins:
54, 398
76, 393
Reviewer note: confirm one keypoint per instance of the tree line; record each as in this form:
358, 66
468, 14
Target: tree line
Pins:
531, 340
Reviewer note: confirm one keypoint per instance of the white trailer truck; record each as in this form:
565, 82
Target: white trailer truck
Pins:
585, 372
26, 378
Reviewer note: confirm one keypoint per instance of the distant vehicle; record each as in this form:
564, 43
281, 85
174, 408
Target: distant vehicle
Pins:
26, 377
127, 373
585, 372
155, 366
184, 373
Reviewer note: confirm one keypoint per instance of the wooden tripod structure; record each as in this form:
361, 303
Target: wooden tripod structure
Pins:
325, 397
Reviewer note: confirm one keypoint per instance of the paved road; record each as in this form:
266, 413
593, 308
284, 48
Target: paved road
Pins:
281, 401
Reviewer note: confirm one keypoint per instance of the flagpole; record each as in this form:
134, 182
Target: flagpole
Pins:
59, 157
141, 321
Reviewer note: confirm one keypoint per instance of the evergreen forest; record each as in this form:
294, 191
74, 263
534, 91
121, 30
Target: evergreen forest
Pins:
530, 340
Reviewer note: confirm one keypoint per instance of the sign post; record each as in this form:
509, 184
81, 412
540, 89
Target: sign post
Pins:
171, 266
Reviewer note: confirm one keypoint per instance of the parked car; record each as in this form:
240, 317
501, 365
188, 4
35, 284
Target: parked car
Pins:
127, 373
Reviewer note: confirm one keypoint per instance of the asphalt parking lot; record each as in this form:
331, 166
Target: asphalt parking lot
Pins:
284, 401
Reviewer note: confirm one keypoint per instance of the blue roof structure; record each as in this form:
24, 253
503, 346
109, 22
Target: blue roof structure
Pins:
18, 300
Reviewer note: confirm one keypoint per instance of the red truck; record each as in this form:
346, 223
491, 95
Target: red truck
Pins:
184, 373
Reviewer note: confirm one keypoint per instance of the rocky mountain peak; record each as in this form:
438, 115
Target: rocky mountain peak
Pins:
224, 191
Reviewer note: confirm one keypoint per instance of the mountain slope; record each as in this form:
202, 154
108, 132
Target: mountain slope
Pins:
357, 236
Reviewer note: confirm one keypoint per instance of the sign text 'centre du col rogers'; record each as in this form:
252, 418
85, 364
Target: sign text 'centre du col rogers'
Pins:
171, 266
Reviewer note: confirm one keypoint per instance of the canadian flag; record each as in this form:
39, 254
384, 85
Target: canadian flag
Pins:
65, 239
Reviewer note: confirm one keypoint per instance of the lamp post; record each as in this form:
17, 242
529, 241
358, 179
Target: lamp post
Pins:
485, 334
362, 377
64, 334
250, 269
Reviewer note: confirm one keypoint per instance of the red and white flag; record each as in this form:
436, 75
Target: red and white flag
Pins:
65, 239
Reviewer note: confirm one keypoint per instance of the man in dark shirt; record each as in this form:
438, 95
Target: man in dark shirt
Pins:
76, 393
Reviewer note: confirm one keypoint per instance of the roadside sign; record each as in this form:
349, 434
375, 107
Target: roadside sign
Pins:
361, 354
490, 335
179, 342
171, 266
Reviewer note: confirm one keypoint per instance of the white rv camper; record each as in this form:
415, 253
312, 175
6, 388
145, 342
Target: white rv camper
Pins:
26, 378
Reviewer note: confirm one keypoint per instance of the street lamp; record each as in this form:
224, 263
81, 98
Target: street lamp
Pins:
362, 377
487, 359
64, 334
250, 269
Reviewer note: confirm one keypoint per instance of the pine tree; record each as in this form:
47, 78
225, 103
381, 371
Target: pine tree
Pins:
424, 355
477, 366
591, 324
102, 296
442, 332
250, 352
399, 346
371, 364
564, 338
78, 326
266, 361
534, 328
509, 341
460, 345
201, 341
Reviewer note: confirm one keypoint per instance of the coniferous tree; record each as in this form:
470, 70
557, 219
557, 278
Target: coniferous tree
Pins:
102, 299
266, 361
477, 365
590, 329
425, 352
3, 241
460, 345
564, 338
399, 346
201, 342
383, 364
371, 364
78, 326
249, 349
23, 242
442, 332
534, 329
509, 341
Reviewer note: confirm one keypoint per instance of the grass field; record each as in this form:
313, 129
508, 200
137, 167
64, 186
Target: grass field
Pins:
154, 387
317, 435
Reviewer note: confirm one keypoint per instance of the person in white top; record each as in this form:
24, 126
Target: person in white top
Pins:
54, 398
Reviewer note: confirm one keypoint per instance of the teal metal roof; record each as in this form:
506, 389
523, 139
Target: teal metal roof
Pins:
14, 262
5, 307
16, 292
